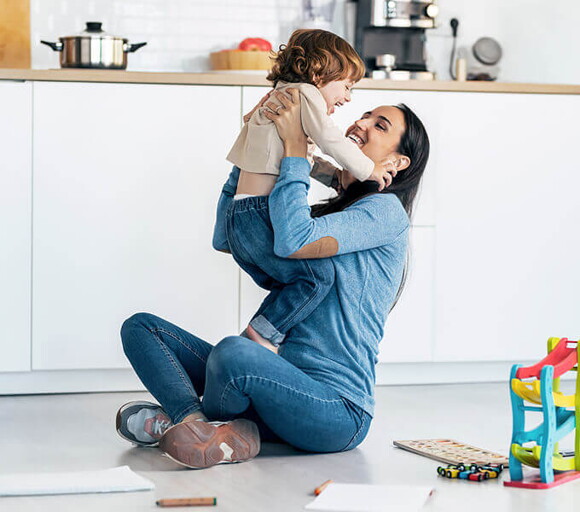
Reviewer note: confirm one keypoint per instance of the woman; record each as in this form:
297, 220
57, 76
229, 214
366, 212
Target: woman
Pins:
317, 392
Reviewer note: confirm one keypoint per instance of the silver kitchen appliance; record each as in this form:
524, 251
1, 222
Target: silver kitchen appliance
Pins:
93, 48
396, 28
318, 14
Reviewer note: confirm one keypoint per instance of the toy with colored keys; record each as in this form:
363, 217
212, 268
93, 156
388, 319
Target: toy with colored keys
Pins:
473, 472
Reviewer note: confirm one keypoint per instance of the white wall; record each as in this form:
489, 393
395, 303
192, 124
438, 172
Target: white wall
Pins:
540, 38
180, 33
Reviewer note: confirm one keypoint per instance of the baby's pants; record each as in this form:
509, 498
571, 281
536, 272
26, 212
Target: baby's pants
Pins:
296, 286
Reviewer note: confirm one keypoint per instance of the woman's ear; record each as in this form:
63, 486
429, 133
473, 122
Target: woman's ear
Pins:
402, 162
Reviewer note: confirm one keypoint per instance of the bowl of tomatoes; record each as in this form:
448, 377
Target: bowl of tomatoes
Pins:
253, 53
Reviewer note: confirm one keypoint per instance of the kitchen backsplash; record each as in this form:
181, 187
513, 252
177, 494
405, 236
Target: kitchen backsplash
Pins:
540, 42
179, 33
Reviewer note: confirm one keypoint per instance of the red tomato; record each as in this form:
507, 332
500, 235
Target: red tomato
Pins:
255, 44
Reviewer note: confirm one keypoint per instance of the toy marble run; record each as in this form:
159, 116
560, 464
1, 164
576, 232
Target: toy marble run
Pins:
537, 389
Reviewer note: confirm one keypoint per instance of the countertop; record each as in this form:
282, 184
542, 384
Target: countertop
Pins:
249, 79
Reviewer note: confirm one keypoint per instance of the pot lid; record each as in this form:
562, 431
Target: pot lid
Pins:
94, 29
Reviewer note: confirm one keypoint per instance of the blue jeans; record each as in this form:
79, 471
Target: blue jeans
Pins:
239, 378
298, 286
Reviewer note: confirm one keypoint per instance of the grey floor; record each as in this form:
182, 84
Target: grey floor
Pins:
76, 432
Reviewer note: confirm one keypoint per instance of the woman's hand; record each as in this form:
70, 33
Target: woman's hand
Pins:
287, 119
253, 335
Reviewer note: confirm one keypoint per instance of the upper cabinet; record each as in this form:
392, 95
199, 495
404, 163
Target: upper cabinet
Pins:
15, 224
126, 181
508, 237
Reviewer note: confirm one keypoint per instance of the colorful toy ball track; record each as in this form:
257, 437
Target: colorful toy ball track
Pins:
544, 395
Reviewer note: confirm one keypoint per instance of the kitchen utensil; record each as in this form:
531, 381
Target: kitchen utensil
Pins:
93, 48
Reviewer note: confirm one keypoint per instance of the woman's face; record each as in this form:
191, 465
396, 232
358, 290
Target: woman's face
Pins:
378, 134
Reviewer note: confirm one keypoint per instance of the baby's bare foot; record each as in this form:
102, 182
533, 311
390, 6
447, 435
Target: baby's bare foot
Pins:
252, 334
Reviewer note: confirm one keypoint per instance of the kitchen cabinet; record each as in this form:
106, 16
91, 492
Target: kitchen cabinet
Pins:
126, 179
409, 333
507, 239
15, 224
107, 202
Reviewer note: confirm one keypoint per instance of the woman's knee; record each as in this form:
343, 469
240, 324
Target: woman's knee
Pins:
133, 328
233, 352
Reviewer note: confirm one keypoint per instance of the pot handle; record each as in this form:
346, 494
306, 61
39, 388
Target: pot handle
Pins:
57, 47
130, 48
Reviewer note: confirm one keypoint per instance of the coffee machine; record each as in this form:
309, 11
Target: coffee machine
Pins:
390, 37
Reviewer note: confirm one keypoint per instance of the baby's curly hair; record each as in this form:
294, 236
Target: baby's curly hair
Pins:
316, 57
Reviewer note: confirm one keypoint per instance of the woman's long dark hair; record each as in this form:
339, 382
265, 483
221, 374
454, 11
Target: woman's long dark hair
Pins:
414, 144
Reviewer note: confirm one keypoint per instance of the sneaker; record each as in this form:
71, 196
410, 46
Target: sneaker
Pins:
200, 444
142, 423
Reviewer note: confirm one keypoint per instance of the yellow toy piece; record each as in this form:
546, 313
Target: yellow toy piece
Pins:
530, 391
531, 457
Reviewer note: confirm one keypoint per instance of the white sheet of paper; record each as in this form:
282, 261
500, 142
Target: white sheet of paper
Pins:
120, 479
365, 497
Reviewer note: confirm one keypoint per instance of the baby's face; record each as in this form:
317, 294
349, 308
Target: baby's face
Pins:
336, 93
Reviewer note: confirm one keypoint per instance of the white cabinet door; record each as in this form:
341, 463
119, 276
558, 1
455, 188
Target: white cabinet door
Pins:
15, 224
251, 295
508, 213
125, 186
409, 330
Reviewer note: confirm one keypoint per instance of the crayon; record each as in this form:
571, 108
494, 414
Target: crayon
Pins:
321, 487
187, 502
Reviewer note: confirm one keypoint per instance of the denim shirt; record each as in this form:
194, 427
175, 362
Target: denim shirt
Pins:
338, 343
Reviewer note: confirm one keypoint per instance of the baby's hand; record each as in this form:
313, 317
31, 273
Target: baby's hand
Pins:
383, 173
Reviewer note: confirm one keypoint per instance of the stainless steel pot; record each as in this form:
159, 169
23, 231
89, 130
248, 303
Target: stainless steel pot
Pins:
93, 48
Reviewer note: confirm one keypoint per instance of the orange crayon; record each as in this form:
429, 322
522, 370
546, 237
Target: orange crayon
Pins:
321, 487
187, 502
